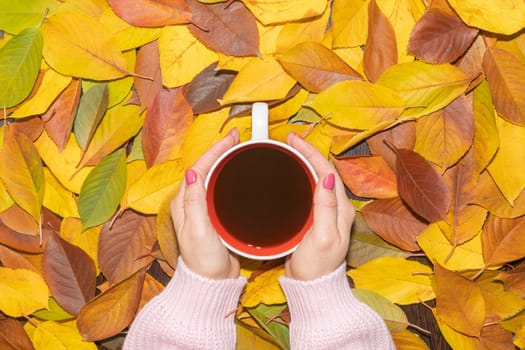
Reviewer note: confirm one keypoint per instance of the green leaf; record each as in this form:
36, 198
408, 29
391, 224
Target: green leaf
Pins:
393, 315
264, 315
101, 191
91, 109
20, 14
20, 61
54, 312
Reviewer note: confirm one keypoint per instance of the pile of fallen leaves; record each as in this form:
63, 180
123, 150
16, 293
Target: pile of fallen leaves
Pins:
106, 103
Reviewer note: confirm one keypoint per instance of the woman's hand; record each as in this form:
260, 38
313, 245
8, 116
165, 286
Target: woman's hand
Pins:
325, 245
199, 244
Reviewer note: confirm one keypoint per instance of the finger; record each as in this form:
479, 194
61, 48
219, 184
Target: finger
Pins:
203, 165
194, 202
325, 211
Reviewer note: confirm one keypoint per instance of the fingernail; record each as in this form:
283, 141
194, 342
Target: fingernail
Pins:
329, 182
191, 176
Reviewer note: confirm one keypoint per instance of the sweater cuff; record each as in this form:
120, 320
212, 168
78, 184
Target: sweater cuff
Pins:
326, 315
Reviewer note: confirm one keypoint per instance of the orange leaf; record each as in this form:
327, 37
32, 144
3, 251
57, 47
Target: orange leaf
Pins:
112, 311
502, 240
459, 301
152, 13
394, 222
369, 177
148, 65
381, 48
13, 335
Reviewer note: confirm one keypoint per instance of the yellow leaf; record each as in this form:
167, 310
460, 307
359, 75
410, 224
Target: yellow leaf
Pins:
399, 280
259, 80
271, 12
280, 131
466, 256
350, 23
516, 325
22, 292
268, 38
248, 340
63, 164
353, 56
92, 8
506, 166
456, 339
148, 193
407, 340
51, 86
57, 198
78, 45
182, 56
459, 301
284, 111
294, 33
87, 240
486, 138
22, 173
320, 140
118, 125
425, 88
51, 335
500, 304
497, 16
356, 104
265, 289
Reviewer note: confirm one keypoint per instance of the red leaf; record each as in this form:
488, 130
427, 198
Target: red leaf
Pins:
381, 48
69, 273
369, 177
13, 336
126, 247
148, 65
394, 222
152, 13
440, 37
58, 119
167, 119
420, 186
230, 29
206, 88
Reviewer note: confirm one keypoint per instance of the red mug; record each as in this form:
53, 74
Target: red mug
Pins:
260, 194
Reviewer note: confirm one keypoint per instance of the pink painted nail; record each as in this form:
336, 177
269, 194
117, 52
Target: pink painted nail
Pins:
329, 181
191, 176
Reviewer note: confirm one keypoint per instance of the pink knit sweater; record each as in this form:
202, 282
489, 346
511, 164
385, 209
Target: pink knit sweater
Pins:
194, 312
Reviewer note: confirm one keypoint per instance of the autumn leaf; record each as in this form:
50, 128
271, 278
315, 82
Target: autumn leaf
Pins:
394, 222
264, 289
440, 37
212, 26
127, 247
61, 336
102, 189
315, 66
121, 301
167, 119
514, 280
459, 301
22, 292
486, 137
420, 186
91, 109
70, 274
19, 66
16, 16
147, 65
152, 13
381, 45
393, 315
501, 239
270, 12
12, 335
408, 340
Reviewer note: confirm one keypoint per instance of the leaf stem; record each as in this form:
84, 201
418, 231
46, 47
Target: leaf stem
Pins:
421, 329
479, 273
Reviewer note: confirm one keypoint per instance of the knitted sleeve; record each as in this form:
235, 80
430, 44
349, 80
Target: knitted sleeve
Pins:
192, 312
326, 315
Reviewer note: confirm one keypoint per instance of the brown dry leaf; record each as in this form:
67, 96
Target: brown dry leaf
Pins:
368, 177
58, 119
168, 117
440, 37
152, 13
420, 186
514, 280
15, 260
13, 335
315, 66
112, 311
231, 29
20, 221
445, 136
70, 274
147, 65
502, 240
125, 247
394, 222
31, 127
506, 77
204, 91
381, 46
459, 302
495, 337
401, 136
